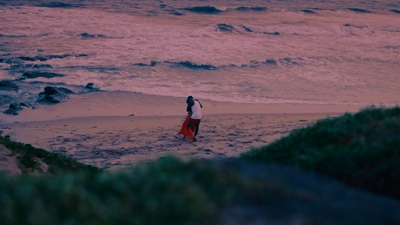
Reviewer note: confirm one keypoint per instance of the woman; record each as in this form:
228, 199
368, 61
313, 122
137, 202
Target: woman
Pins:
192, 121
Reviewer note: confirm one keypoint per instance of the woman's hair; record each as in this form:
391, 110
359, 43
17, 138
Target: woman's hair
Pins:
189, 98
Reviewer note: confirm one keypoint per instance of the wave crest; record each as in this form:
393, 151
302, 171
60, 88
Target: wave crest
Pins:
204, 9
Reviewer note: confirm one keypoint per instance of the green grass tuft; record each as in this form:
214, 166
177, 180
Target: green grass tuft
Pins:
57, 163
361, 149
168, 191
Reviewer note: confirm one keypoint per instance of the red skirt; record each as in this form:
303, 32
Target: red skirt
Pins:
187, 132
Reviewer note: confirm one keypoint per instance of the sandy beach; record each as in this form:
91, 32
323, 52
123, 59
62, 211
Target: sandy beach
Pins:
120, 129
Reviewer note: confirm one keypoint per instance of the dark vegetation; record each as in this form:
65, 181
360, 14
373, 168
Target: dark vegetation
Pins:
168, 191
363, 150
29, 156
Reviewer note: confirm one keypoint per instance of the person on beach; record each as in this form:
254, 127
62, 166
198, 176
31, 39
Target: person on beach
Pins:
193, 119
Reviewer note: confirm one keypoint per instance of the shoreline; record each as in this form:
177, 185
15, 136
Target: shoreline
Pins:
122, 103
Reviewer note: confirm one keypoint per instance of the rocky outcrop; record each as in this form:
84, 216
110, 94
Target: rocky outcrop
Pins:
13, 110
90, 87
54, 95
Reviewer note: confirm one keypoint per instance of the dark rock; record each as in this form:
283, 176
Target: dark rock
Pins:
1, 60
8, 85
89, 85
25, 104
13, 110
15, 106
51, 99
53, 95
36, 74
395, 10
50, 91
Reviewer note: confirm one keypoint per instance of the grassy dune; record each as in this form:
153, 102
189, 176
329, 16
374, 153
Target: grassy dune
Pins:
168, 191
29, 155
361, 149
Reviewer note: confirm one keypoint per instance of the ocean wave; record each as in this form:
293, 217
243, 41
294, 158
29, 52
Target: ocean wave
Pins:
358, 10
86, 35
97, 69
337, 30
152, 64
308, 11
174, 12
42, 58
204, 9
250, 30
36, 74
192, 65
255, 8
354, 25
59, 5
395, 11
195, 66
225, 27
26, 66
13, 36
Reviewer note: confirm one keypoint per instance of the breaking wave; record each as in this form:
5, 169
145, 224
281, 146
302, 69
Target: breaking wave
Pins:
204, 9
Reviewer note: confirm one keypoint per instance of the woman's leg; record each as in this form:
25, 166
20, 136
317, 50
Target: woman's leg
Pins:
197, 129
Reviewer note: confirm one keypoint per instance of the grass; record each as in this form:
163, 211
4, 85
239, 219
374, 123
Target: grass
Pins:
361, 149
168, 191
57, 163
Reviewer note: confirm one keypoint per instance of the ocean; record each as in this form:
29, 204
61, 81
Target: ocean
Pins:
255, 51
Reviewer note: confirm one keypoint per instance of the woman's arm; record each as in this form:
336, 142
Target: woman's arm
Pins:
201, 106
